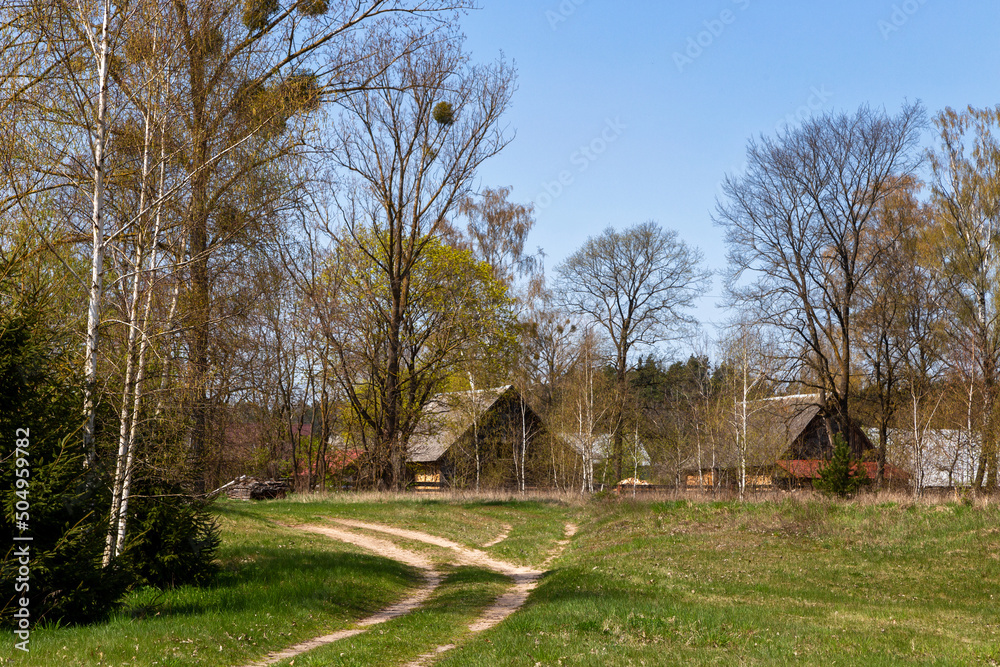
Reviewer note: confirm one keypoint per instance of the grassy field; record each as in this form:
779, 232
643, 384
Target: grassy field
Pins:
808, 582
816, 583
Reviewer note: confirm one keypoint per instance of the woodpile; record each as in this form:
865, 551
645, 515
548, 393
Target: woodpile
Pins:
251, 488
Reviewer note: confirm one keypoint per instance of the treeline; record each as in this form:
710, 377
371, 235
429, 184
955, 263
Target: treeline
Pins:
865, 269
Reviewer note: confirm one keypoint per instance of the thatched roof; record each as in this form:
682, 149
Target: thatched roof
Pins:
786, 417
773, 425
448, 417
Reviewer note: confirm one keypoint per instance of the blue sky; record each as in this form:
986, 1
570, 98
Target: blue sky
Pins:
641, 108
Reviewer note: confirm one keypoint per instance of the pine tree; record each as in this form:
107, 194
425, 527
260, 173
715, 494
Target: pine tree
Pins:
39, 402
841, 475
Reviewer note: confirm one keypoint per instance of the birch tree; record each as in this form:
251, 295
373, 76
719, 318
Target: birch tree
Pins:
966, 190
747, 356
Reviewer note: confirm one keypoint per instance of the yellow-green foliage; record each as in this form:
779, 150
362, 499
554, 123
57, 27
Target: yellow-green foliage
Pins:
257, 12
455, 311
443, 113
300, 92
139, 46
208, 41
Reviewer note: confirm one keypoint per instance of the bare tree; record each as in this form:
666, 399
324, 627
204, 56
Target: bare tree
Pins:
580, 406
408, 150
800, 225
549, 344
636, 286
497, 230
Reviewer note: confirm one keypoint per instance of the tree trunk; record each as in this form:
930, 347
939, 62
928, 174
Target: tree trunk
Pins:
96, 290
618, 447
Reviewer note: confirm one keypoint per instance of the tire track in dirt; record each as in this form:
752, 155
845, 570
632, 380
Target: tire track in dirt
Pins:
432, 578
465, 555
499, 538
525, 579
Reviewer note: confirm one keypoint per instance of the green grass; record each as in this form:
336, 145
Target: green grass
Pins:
277, 587
535, 525
654, 583
444, 619
762, 584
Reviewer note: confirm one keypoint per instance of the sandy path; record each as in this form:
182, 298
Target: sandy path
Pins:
465, 555
499, 538
432, 579
525, 580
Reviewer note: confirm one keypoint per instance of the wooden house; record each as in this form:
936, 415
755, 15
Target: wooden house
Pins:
469, 433
787, 443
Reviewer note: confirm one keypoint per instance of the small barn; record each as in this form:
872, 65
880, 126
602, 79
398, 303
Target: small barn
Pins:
491, 433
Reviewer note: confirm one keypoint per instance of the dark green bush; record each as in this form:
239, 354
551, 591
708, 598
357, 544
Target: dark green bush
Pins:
173, 539
67, 514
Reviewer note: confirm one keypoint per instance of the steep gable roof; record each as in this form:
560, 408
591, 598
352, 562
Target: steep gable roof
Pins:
448, 417
776, 429
786, 417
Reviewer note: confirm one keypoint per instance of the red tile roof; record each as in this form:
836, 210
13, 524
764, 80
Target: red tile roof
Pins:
336, 461
809, 469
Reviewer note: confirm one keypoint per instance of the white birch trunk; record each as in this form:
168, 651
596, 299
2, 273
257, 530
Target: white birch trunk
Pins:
475, 428
133, 307
140, 371
96, 288
524, 441
918, 454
